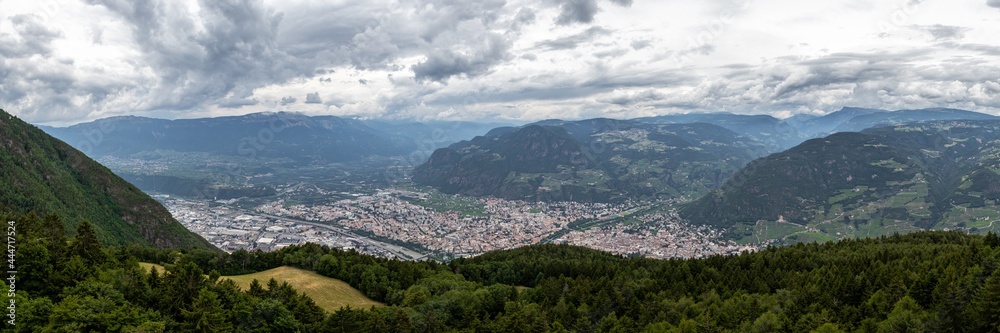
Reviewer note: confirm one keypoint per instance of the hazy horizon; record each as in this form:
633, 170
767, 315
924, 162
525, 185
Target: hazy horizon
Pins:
479, 121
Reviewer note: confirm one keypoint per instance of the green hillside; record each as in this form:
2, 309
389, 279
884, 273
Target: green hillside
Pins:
590, 160
930, 175
42, 174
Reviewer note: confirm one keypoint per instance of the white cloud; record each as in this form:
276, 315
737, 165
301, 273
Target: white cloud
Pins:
516, 59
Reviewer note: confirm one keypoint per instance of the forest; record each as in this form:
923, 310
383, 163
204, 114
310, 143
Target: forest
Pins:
925, 281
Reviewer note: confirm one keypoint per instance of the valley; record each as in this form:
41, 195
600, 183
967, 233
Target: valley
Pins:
417, 224
675, 186
584, 166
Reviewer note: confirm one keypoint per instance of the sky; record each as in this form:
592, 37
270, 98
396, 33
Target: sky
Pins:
70, 61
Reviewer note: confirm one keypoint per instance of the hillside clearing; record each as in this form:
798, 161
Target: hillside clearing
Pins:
329, 293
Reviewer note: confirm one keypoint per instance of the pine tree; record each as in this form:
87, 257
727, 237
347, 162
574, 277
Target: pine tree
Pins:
992, 240
154, 278
986, 304
256, 289
86, 244
206, 314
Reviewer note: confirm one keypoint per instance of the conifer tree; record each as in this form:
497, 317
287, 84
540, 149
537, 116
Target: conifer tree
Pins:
206, 314
86, 244
986, 303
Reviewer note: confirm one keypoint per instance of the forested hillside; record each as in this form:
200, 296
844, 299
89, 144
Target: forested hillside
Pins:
906, 177
40, 173
927, 281
595, 160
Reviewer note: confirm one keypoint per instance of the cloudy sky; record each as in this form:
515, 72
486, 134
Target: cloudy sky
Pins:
67, 61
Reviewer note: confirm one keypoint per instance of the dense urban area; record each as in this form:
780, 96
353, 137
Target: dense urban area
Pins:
411, 224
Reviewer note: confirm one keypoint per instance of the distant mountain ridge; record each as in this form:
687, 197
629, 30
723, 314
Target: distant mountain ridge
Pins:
778, 134
774, 133
45, 175
589, 160
431, 135
336, 139
876, 119
826, 124
275, 135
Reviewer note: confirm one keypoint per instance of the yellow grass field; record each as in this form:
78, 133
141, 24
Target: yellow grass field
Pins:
147, 266
329, 293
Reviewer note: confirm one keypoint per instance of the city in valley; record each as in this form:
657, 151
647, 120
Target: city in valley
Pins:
419, 224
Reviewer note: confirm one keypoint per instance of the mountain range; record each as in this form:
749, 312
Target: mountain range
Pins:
780, 134
553, 159
590, 160
921, 175
774, 133
44, 175
600, 160
337, 139
268, 135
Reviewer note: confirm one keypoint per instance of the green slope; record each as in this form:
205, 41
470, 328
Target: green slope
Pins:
940, 175
590, 160
42, 174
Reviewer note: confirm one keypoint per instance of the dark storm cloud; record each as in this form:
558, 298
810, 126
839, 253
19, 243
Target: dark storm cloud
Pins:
449, 14
216, 54
577, 11
235, 53
574, 40
845, 68
582, 11
442, 64
640, 44
32, 38
525, 16
419, 28
450, 34
313, 98
30, 76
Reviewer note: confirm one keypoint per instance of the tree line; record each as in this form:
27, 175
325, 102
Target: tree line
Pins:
926, 281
